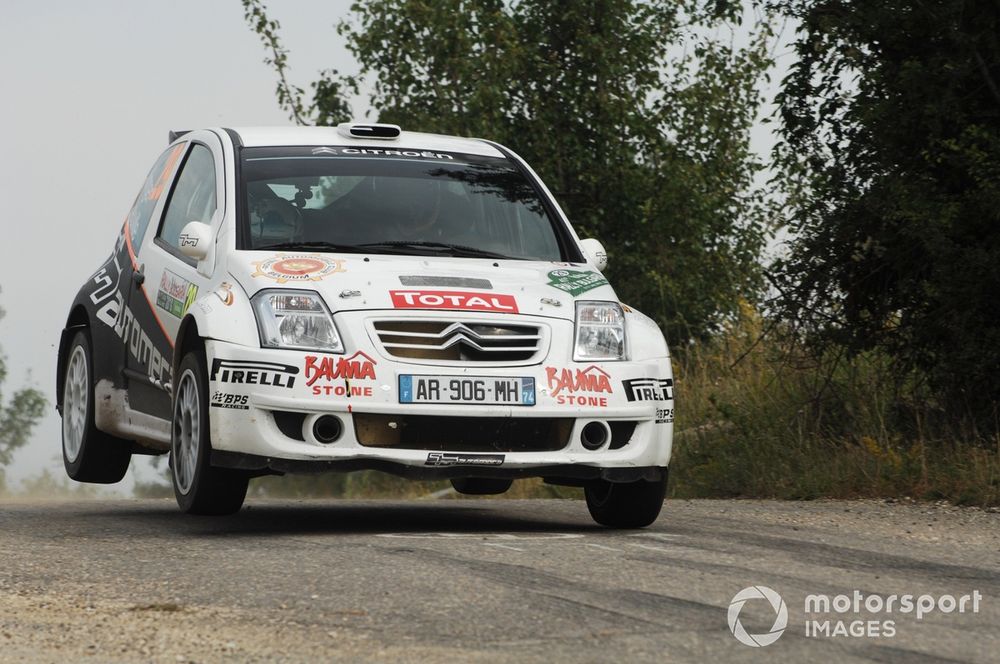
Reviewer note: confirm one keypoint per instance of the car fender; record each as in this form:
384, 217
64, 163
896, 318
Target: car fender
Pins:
223, 314
78, 319
646, 340
96, 306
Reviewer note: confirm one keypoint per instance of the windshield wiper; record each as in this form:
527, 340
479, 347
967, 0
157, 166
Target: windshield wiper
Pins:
459, 249
328, 246
394, 246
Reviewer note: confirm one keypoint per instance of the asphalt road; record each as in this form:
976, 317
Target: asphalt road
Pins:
484, 580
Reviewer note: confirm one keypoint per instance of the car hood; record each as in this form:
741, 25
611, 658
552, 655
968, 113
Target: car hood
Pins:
351, 282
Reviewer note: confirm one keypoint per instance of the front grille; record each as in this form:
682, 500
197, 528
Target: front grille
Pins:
462, 434
460, 341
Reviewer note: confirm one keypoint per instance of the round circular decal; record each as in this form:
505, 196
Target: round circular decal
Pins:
285, 268
296, 267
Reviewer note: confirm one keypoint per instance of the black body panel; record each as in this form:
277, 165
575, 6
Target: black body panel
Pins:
565, 474
122, 324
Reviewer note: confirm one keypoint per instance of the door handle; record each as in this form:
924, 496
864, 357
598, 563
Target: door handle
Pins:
139, 277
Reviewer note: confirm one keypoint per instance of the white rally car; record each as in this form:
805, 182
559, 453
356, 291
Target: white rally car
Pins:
359, 297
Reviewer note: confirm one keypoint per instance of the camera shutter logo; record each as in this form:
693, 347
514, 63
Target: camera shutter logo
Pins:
780, 620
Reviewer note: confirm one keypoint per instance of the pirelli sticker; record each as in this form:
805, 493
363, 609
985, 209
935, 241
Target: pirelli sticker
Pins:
649, 389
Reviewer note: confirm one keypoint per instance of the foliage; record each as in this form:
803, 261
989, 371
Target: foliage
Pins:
891, 154
766, 418
328, 95
18, 416
636, 115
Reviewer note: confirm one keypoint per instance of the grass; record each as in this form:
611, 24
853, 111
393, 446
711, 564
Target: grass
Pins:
759, 419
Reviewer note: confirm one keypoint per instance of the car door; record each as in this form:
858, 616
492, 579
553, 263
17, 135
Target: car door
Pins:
114, 281
172, 280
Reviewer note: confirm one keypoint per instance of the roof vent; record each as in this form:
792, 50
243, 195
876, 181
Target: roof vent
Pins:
385, 132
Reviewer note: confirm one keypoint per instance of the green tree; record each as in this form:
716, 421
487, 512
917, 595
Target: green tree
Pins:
891, 148
636, 114
18, 416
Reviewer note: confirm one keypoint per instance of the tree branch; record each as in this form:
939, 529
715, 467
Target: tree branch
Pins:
289, 97
984, 70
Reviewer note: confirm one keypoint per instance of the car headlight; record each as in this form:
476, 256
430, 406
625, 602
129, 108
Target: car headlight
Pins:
600, 331
295, 319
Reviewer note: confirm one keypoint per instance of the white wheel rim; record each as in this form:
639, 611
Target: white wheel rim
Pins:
76, 393
186, 436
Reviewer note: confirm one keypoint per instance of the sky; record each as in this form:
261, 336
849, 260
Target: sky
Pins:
90, 90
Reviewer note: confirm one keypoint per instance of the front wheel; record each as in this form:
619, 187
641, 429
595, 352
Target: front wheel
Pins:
625, 505
199, 487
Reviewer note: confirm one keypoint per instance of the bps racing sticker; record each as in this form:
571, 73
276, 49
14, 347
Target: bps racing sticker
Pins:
235, 401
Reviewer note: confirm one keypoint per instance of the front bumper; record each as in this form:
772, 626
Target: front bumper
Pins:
274, 386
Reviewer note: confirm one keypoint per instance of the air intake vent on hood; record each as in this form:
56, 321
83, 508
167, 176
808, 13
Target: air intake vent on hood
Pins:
444, 282
381, 131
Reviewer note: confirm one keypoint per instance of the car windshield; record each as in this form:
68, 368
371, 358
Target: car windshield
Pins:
396, 201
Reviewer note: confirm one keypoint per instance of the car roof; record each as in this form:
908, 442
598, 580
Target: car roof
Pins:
298, 136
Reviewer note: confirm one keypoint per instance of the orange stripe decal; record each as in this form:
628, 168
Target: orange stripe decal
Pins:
142, 287
168, 170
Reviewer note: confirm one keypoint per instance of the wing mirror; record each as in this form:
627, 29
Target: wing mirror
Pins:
194, 240
594, 250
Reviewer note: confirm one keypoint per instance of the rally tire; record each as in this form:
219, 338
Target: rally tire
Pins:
625, 505
481, 486
199, 487
89, 455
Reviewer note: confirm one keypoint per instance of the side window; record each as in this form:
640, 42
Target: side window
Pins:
193, 198
152, 189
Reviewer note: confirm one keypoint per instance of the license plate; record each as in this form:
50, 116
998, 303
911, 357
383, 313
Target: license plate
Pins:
483, 390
